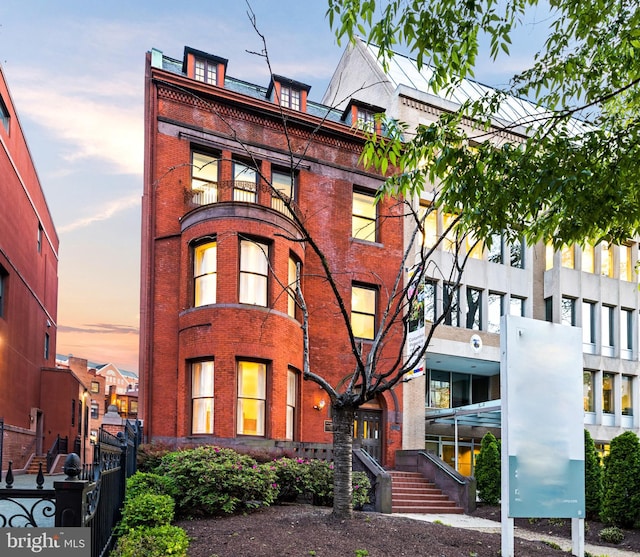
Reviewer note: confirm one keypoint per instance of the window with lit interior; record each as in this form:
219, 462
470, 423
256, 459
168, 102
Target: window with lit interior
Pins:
363, 311
587, 391
254, 272
363, 221
607, 393
626, 384
205, 273
202, 397
292, 402
252, 394
292, 285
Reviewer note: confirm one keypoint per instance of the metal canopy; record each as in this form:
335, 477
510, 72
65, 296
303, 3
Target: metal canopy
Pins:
482, 414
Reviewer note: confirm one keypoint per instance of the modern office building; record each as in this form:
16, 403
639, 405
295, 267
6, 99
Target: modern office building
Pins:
450, 406
227, 163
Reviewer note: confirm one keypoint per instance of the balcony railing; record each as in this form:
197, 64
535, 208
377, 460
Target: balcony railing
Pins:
243, 191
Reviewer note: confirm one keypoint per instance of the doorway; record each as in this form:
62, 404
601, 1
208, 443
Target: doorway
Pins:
367, 432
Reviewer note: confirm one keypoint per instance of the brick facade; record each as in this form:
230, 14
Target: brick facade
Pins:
230, 124
28, 289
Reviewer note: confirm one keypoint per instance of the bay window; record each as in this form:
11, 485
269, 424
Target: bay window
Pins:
202, 397
252, 395
205, 274
254, 270
292, 403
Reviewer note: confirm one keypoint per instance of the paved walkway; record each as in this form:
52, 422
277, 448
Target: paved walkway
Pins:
17, 511
490, 526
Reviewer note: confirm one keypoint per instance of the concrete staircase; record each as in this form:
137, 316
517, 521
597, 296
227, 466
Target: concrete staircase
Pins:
34, 464
412, 493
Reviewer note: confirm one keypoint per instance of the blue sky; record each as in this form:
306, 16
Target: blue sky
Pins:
76, 74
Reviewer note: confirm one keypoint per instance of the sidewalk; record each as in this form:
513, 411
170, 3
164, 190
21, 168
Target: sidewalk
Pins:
28, 481
17, 511
492, 527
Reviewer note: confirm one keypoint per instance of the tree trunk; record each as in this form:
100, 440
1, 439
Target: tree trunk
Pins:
342, 462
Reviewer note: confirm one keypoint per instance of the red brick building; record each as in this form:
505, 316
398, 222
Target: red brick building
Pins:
28, 291
221, 352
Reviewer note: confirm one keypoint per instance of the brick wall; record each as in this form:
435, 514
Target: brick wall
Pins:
175, 333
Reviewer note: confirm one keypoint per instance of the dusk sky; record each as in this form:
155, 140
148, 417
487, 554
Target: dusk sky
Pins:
75, 71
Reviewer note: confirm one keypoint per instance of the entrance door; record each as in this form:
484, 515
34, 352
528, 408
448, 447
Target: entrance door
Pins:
367, 432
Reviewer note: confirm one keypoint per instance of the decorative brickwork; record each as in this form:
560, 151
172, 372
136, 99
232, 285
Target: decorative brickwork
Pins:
176, 332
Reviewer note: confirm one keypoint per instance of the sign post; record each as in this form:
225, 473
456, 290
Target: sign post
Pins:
542, 426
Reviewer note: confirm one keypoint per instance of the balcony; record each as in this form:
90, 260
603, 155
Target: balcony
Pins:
208, 193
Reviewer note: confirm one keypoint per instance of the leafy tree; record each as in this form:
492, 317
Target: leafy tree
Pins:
621, 482
487, 470
592, 478
563, 180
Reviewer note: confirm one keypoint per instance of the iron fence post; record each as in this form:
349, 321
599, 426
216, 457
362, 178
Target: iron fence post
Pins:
70, 495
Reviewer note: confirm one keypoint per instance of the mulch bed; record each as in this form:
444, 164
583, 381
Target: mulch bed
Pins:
305, 530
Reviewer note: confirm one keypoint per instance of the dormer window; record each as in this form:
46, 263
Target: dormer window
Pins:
288, 93
290, 97
206, 71
365, 120
204, 67
362, 116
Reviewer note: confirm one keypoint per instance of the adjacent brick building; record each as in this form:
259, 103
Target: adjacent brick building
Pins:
28, 292
221, 352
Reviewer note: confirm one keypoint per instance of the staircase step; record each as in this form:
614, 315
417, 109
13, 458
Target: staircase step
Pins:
34, 465
412, 493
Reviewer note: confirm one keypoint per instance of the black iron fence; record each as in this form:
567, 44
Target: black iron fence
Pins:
90, 496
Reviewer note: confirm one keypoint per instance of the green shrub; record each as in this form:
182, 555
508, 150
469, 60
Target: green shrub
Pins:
319, 487
621, 482
612, 534
146, 509
592, 478
291, 477
212, 480
156, 541
487, 470
148, 482
149, 455
361, 488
